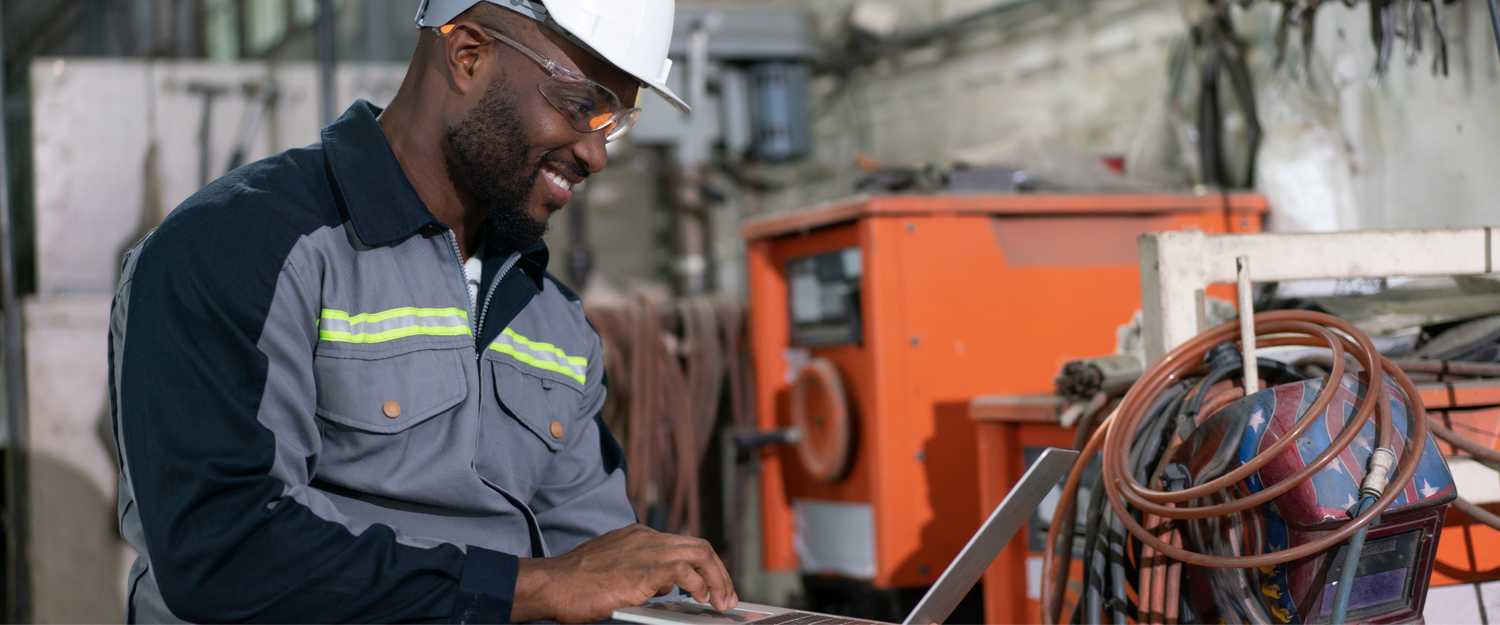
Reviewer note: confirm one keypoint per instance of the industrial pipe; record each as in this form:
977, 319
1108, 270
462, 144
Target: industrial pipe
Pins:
902, 41
17, 572
327, 48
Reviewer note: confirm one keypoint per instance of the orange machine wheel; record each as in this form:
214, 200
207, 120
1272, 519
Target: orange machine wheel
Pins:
819, 409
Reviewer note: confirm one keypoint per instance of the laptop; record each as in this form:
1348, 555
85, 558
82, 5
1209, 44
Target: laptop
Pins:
939, 602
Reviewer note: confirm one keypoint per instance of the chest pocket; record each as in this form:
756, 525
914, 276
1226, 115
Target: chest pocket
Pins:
388, 415
540, 403
389, 394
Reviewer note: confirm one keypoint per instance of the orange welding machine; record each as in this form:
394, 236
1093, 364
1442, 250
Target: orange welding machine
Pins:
873, 323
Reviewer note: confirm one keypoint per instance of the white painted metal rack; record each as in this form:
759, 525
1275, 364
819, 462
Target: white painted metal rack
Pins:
1177, 267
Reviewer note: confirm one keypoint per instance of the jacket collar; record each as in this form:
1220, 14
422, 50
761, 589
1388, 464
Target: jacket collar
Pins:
382, 205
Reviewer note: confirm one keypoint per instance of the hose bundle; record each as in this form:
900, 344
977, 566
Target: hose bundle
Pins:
1143, 536
668, 363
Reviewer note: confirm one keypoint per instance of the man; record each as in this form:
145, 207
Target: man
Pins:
344, 387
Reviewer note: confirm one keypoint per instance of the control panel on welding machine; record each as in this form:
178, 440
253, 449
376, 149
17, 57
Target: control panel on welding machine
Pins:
824, 298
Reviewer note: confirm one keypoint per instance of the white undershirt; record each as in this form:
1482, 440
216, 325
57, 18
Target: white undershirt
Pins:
473, 274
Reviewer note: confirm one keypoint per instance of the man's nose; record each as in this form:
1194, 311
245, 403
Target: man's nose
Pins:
590, 152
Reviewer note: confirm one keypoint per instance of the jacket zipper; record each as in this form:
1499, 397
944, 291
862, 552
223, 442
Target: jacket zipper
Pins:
489, 294
463, 279
476, 322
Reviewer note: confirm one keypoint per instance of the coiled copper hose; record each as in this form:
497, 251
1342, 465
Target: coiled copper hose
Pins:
668, 363
1116, 434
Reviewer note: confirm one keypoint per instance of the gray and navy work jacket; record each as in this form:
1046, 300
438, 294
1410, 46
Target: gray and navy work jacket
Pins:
315, 425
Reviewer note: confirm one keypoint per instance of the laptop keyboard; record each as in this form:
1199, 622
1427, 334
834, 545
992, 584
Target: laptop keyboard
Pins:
806, 618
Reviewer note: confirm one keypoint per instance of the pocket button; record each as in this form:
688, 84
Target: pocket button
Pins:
557, 429
392, 409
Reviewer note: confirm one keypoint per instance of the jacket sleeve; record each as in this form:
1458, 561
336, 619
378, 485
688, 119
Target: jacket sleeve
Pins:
216, 423
586, 496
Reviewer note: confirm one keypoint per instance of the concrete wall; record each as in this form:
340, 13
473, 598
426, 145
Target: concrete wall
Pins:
1412, 150
103, 179
78, 561
1342, 150
116, 146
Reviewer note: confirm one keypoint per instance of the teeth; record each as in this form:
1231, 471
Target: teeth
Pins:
558, 180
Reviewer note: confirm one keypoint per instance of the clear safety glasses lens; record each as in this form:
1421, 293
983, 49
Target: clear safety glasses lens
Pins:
589, 106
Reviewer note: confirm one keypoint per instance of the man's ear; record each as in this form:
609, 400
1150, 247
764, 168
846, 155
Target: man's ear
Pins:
463, 53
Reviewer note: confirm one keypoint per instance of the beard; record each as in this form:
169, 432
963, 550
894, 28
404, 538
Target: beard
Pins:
486, 154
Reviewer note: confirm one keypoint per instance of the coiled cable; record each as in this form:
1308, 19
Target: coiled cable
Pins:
1134, 504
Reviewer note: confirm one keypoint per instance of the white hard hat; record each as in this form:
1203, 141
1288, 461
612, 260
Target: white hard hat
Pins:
631, 34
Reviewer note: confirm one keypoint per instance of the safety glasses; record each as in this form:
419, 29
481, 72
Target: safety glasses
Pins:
587, 105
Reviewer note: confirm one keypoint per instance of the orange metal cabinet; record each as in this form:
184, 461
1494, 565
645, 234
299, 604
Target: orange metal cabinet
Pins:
1009, 426
959, 296
1468, 552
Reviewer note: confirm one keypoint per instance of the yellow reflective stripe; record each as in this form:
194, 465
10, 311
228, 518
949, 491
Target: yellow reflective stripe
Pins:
545, 365
578, 361
391, 335
407, 311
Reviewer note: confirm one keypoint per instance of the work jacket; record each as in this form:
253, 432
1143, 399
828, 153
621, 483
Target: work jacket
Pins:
314, 423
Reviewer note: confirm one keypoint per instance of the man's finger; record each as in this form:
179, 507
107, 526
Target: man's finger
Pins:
720, 573
718, 590
701, 555
690, 581
731, 596
718, 576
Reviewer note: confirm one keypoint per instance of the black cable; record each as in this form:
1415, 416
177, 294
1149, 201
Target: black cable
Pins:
1167, 403
1115, 545
1093, 593
1215, 376
1228, 364
1091, 531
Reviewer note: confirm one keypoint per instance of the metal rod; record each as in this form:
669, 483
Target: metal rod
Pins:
580, 251
1247, 325
327, 47
902, 41
1495, 22
16, 531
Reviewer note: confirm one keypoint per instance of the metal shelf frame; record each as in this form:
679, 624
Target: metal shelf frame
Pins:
1177, 267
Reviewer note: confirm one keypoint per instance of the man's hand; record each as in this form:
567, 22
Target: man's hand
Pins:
623, 568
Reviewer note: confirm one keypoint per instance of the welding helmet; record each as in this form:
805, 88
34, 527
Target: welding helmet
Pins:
633, 35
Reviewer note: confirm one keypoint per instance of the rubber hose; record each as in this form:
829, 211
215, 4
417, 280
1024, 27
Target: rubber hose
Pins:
1127, 495
1351, 564
1121, 488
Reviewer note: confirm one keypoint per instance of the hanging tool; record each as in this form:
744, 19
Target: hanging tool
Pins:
208, 94
262, 98
1382, 32
1222, 56
1297, 14
1389, 20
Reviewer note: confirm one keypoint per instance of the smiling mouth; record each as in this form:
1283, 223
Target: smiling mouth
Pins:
557, 179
